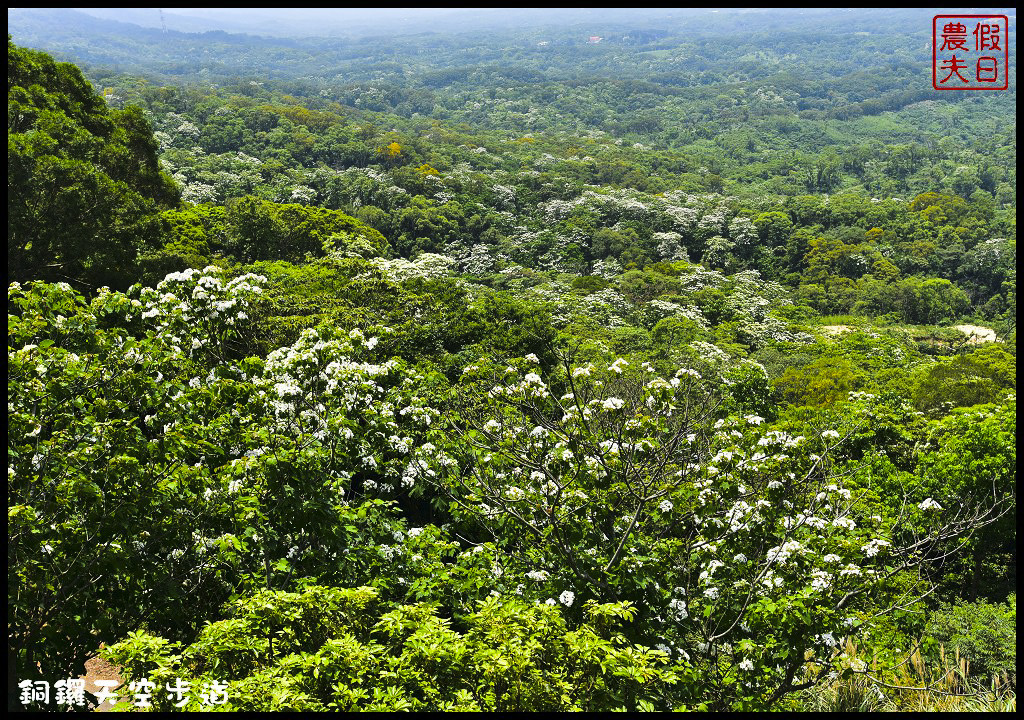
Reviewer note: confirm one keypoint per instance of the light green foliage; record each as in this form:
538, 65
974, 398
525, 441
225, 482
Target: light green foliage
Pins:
822, 382
972, 456
334, 649
975, 378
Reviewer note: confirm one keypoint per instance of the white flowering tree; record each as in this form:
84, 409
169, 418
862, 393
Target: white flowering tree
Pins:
105, 446
154, 471
752, 553
540, 463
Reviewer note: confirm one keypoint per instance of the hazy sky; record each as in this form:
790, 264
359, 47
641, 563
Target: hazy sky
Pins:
361, 22
356, 21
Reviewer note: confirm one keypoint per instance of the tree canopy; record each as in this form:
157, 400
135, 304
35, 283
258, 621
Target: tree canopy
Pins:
85, 188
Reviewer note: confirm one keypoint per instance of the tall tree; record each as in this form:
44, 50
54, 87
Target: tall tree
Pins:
85, 188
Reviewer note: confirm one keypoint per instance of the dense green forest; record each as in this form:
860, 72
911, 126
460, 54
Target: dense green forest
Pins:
511, 369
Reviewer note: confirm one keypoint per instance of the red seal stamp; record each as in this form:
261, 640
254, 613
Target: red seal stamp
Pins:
970, 52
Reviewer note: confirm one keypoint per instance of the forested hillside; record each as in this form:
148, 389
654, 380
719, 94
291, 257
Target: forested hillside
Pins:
648, 363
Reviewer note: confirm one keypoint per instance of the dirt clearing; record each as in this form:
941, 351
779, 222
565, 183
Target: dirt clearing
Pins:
976, 335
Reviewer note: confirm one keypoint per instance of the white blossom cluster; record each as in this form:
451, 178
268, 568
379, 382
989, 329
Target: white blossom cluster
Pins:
427, 265
315, 389
929, 505
697, 278
658, 309
193, 308
714, 221
607, 268
477, 261
678, 608
671, 246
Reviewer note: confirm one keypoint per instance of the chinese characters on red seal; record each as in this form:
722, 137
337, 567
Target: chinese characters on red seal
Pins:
970, 52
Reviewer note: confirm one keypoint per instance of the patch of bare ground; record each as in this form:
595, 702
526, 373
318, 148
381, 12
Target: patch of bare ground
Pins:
99, 669
976, 334
834, 329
